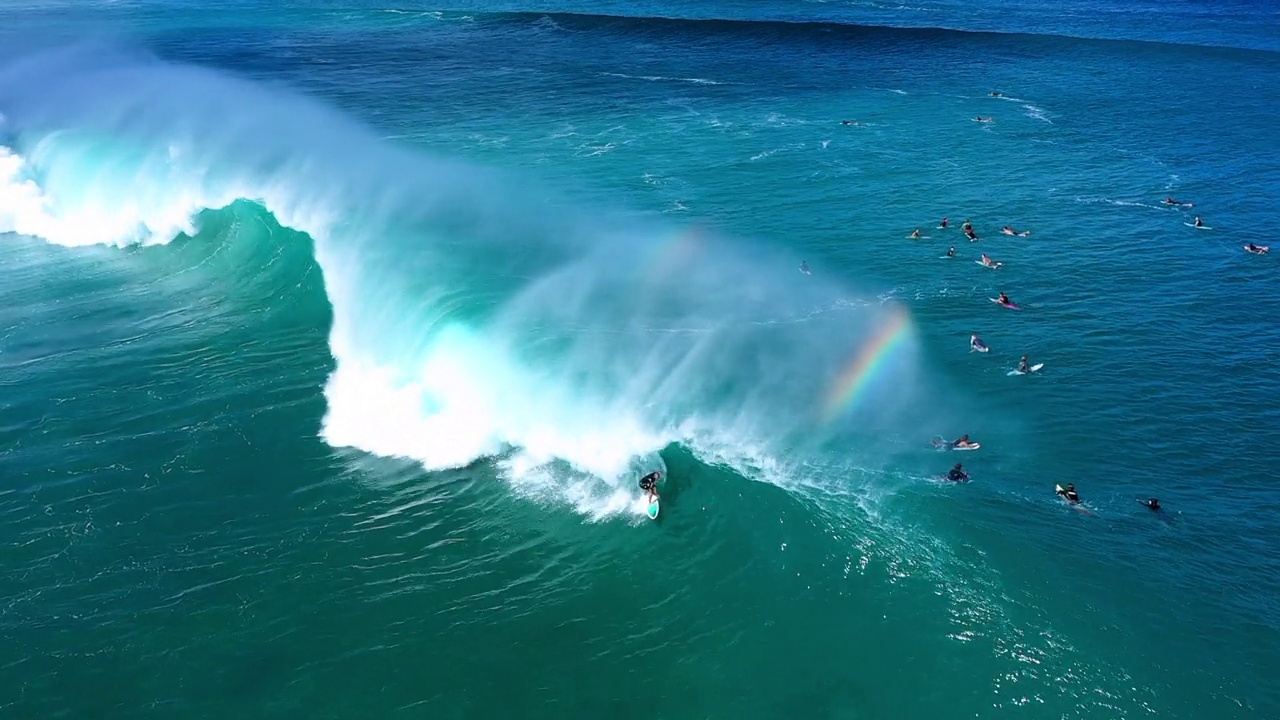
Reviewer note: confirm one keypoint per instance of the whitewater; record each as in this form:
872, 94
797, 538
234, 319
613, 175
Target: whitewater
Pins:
472, 317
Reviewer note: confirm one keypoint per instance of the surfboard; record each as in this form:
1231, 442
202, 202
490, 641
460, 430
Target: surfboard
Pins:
993, 265
1010, 305
653, 509
978, 348
1033, 368
922, 237
946, 445
1198, 227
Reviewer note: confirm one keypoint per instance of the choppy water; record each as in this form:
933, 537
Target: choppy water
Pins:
335, 337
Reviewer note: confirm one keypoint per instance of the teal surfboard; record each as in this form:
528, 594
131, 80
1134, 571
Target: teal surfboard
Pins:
653, 510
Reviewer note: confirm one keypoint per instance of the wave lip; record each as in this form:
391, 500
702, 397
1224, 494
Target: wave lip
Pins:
470, 319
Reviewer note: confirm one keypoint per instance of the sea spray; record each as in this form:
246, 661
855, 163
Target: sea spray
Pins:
472, 317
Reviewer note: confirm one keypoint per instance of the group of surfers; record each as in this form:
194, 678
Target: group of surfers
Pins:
1199, 223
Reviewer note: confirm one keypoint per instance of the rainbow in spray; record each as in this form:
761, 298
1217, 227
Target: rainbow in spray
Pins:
853, 382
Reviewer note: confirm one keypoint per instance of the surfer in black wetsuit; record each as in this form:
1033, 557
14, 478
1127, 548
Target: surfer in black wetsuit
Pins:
957, 474
944, 222
1023, 366
1152, 504
649, 483
1199, 222
1069, 492
1004, 299
951, 251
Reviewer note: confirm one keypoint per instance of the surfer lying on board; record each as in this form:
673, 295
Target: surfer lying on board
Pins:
649, 483
963, 443
973, 236
1256, 249
1171, 201
982, 119
1069, 492
957, 474
1004, 299
975, 343
989, 262
1023, 366
1152, 503
1008, 230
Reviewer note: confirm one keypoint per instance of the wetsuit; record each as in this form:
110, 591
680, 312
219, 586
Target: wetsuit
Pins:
957, 475
649, 482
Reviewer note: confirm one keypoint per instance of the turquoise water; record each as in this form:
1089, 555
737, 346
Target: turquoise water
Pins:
334, 338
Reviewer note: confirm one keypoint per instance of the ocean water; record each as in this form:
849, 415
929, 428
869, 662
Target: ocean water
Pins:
335, 335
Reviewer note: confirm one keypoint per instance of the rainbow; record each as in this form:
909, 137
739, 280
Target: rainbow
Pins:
673, 253
851, 384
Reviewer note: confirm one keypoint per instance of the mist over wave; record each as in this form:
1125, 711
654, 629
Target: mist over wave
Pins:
473, 316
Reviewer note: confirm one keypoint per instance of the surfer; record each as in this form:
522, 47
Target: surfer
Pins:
848, 122
1069, 492
1008, 230
951, 251
1023, 365
1199, 222
1004, 299
1152, 504
973, 236
1171, 201
1256, 249
976, 344
962, 443
957, 474
966, 226
986, 260
804, 267
943, 225
915, 235
649, 483
995, 93
982, 119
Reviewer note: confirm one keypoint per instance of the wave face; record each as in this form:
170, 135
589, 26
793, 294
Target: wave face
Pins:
472, 317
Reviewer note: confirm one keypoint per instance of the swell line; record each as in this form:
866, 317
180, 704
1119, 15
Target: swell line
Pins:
581, 21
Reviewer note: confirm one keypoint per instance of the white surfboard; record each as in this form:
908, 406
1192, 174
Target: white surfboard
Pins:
992, 266
1198, 227
1033, 368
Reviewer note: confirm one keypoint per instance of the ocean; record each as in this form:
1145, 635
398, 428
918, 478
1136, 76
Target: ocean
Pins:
336, 335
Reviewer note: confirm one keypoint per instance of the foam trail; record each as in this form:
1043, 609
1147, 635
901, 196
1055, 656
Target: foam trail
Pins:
469, 319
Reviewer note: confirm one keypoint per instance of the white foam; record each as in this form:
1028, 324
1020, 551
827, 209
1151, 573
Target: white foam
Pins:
718, 351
